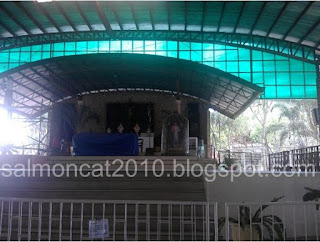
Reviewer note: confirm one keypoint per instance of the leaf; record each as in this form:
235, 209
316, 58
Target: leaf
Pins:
277, 227
260, 210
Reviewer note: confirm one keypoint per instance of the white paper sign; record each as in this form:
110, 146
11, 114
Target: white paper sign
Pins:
98, 229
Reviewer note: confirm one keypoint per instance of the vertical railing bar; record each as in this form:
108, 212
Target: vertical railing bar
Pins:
39, 220
125, 227
20, 220
148, 222
158, 221
60, 222
272, 212
294, 224
81, 222
29, 220
170, 221
316, 222
181, 222
192, 222
250, 219
207, 222
103, 218
261, 222
10, 220
195, 221
136, 236
1, 218
71, 218
227, 227
305, 222
284, 225
203, 222
216, 220
50, 221
92, 215
114, 222
239, 223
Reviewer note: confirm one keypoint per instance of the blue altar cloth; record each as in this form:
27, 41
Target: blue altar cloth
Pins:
85, 144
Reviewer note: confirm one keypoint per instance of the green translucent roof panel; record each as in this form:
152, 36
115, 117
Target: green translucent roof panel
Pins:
282, 77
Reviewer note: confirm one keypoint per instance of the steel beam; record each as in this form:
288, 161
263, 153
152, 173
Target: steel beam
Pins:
271, 45
169, 15
221, 16
314, 26
115, 14
151, 14
283, 9
34, 21
305, 10
244, 4
258, 17
204, 14
133, 12
13, 18
65, 16
82, 15
104, 19
47, 15
8, 29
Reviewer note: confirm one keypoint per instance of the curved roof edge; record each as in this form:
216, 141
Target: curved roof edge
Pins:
40, 84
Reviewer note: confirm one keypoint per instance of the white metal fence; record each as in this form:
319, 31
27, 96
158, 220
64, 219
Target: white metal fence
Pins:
36, 219
273, 221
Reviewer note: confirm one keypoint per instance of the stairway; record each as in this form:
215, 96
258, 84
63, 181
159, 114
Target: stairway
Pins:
144, 185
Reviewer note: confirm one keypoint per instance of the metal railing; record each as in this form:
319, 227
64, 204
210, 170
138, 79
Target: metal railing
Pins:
302, 159
275, 221
42, 219
39, 219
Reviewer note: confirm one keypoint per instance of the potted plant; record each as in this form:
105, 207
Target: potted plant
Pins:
312, 195
272, 223
229, 162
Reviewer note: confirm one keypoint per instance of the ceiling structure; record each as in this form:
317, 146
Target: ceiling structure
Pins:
37, 85
289, 29
283, 26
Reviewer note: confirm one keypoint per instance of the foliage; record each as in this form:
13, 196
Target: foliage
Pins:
268, 123
271, 223
8, 149
312, 195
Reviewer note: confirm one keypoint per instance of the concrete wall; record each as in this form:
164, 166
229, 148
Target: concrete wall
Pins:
297, 219
260, 189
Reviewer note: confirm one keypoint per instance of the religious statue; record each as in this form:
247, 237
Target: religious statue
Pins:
120, 128
175, 134
175, 131
137, 129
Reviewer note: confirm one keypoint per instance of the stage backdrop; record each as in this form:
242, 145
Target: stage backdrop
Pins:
129, 114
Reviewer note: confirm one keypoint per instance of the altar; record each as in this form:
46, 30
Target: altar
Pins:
86, 144
127, 125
